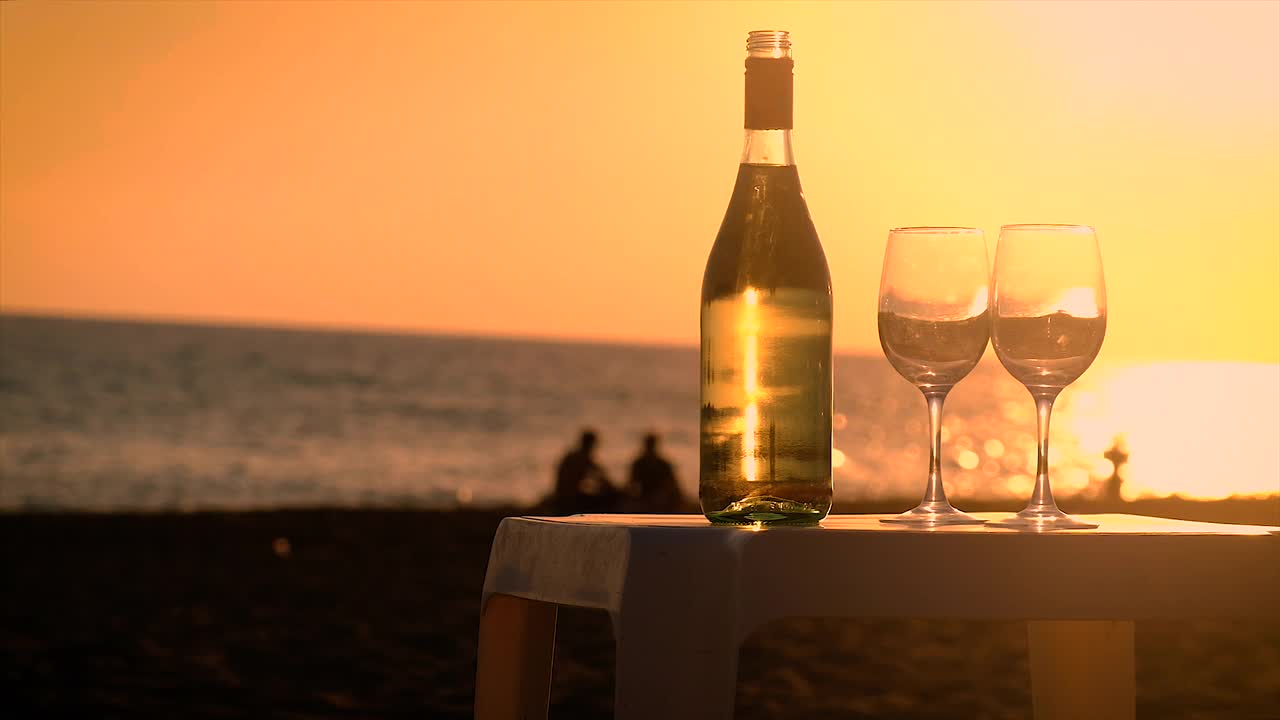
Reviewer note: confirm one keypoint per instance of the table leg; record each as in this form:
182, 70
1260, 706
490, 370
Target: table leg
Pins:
1081, 669
513, 669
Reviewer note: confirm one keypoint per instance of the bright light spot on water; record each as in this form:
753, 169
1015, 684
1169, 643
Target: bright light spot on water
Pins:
1019, 411
993, 448
1201, 430
1019, 485
1072, 480
837, 458
967, 459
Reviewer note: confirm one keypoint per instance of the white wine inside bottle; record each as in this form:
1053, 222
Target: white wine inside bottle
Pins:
766, 327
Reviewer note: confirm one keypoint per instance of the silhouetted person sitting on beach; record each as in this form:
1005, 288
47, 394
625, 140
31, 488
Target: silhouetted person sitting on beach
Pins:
652, 485
581, 484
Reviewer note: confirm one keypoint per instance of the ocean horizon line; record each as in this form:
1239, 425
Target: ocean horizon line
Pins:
342, 329
376, 330
366, 330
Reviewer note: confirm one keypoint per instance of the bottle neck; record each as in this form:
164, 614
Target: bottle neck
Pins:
767, 106
767, 147
769, 88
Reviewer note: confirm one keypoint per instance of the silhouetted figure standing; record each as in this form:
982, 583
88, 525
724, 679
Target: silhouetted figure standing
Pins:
652, 484
1118, 457
581, 484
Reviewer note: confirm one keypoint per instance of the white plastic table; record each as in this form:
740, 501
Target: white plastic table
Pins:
683, 595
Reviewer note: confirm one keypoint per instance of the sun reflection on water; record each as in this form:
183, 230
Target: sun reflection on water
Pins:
1200, 430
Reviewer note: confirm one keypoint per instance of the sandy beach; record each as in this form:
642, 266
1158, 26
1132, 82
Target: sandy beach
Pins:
374, 614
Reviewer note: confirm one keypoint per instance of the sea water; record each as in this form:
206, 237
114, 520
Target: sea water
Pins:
113, 416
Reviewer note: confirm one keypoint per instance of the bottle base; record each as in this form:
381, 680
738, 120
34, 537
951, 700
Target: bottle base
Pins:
768, 511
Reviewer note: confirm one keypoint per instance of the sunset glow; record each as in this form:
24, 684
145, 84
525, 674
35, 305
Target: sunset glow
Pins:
1198, 430
547, 169
343, 341
425, 166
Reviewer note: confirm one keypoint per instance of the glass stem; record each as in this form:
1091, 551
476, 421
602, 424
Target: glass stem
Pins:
1042, 496
935, 495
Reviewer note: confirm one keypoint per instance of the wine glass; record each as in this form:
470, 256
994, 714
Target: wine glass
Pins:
933, 328
1049, 314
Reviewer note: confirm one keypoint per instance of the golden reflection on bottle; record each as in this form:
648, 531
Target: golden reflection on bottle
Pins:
750, 382
766, 407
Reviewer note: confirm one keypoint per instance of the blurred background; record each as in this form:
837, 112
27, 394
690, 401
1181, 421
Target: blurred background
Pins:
367, 269
484, 225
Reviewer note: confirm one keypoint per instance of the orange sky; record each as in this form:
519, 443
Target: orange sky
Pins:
561, 169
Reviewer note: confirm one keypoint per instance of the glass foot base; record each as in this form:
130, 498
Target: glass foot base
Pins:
933, 515
1041, 519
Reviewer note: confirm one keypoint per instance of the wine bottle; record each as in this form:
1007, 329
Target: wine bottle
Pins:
765, 454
